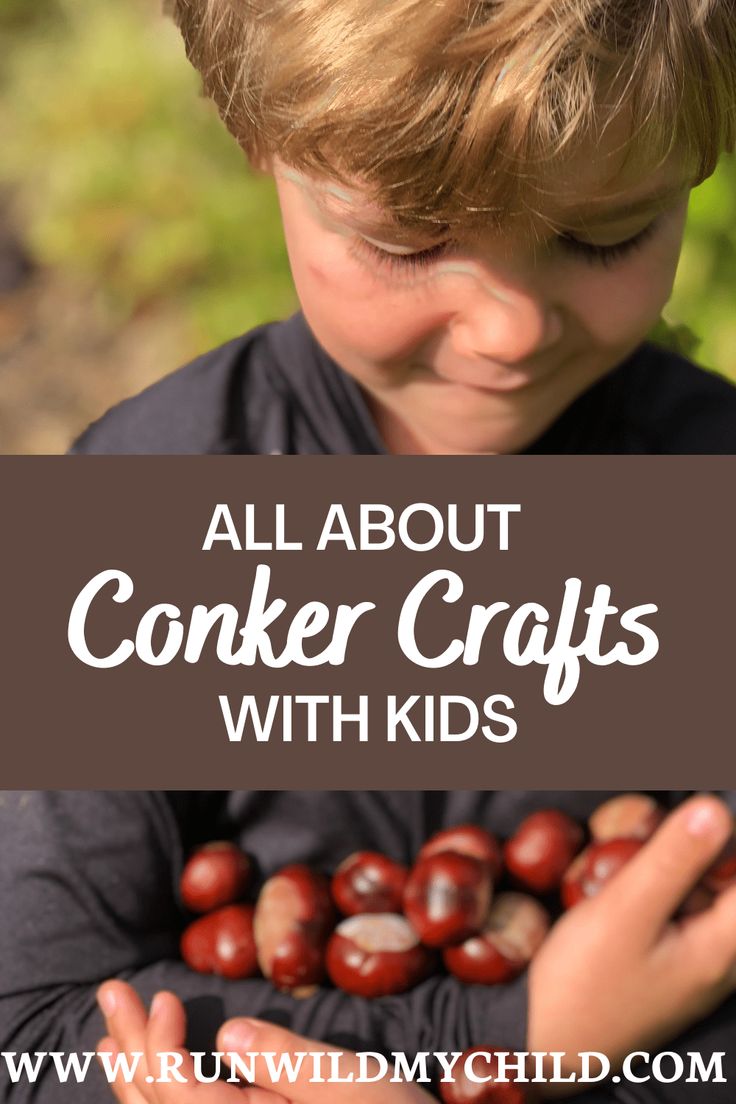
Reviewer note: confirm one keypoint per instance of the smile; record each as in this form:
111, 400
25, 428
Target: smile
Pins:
493, 379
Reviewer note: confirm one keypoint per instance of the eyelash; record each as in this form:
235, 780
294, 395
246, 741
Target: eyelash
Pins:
607, 255
409, 263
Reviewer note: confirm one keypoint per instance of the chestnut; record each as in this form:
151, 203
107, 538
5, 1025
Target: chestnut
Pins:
597, 864
484, 1063
541, 849
466, 839
376, 955
369, 882
215, 875
222, 943
513, 933
447, 897
722, 873
632, 814
293, 919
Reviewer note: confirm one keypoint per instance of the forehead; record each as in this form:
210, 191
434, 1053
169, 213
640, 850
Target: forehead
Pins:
598, 187
603, 182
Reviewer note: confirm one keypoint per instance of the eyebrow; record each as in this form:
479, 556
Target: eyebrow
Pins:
383, 229
375, 225
633, 207
591, 217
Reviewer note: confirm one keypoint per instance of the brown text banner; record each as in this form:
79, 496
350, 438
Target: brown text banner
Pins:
365, 622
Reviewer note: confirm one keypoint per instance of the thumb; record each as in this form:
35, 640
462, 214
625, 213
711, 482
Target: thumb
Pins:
298, 1068
654, 883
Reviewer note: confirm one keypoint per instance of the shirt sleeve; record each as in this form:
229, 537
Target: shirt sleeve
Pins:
707, 1052
188, 412
89, 882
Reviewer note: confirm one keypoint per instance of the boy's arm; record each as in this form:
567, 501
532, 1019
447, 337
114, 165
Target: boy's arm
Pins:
621, 974
88, 885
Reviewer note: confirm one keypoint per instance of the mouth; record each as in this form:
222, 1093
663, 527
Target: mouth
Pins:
493, 379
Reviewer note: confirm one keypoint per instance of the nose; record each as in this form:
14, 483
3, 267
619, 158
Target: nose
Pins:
503, 324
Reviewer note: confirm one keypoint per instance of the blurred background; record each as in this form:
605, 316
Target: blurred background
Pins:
133, 236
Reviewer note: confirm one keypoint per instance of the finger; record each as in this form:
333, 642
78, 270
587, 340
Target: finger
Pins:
179, 1081
291, 1069
125, 1019
649, 889
254, 1095
166, 1057
108, 1055
711, 942
124, 1013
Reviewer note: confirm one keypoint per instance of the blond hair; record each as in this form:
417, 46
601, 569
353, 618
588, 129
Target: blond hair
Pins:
451, 111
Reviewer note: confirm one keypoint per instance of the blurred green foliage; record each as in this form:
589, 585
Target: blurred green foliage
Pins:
705, 291
127, 176
124, 175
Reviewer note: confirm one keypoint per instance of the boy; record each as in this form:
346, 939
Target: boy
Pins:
89, 884
483, 207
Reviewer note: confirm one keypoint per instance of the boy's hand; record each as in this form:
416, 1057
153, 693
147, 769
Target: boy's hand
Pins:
617, 973
132, 1030
241, 1036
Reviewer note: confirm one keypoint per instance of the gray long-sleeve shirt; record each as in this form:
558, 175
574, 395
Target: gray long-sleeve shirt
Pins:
276, 390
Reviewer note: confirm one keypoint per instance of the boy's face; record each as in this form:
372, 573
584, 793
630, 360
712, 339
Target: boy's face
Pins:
482, 347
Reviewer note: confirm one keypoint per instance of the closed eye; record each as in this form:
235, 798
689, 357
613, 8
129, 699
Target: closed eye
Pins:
400, 262
606, 254
407, 263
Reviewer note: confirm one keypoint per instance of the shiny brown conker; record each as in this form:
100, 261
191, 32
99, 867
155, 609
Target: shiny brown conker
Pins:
293, 920
595, 867
512, 935
215, 875
447, 898
369, 882
222, 943
376, 955
541, 850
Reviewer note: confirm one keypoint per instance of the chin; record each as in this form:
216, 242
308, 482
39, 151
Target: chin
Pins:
507, 439
461, 428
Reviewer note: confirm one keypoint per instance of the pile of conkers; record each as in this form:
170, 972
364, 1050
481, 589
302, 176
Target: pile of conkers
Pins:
377, 928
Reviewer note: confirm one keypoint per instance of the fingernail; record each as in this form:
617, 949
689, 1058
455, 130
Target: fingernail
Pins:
238, 1034
106, 1001
155, 1006
703, 819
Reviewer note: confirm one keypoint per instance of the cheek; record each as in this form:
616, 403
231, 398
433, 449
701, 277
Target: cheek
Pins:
358, 310
615, 311
619, 305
